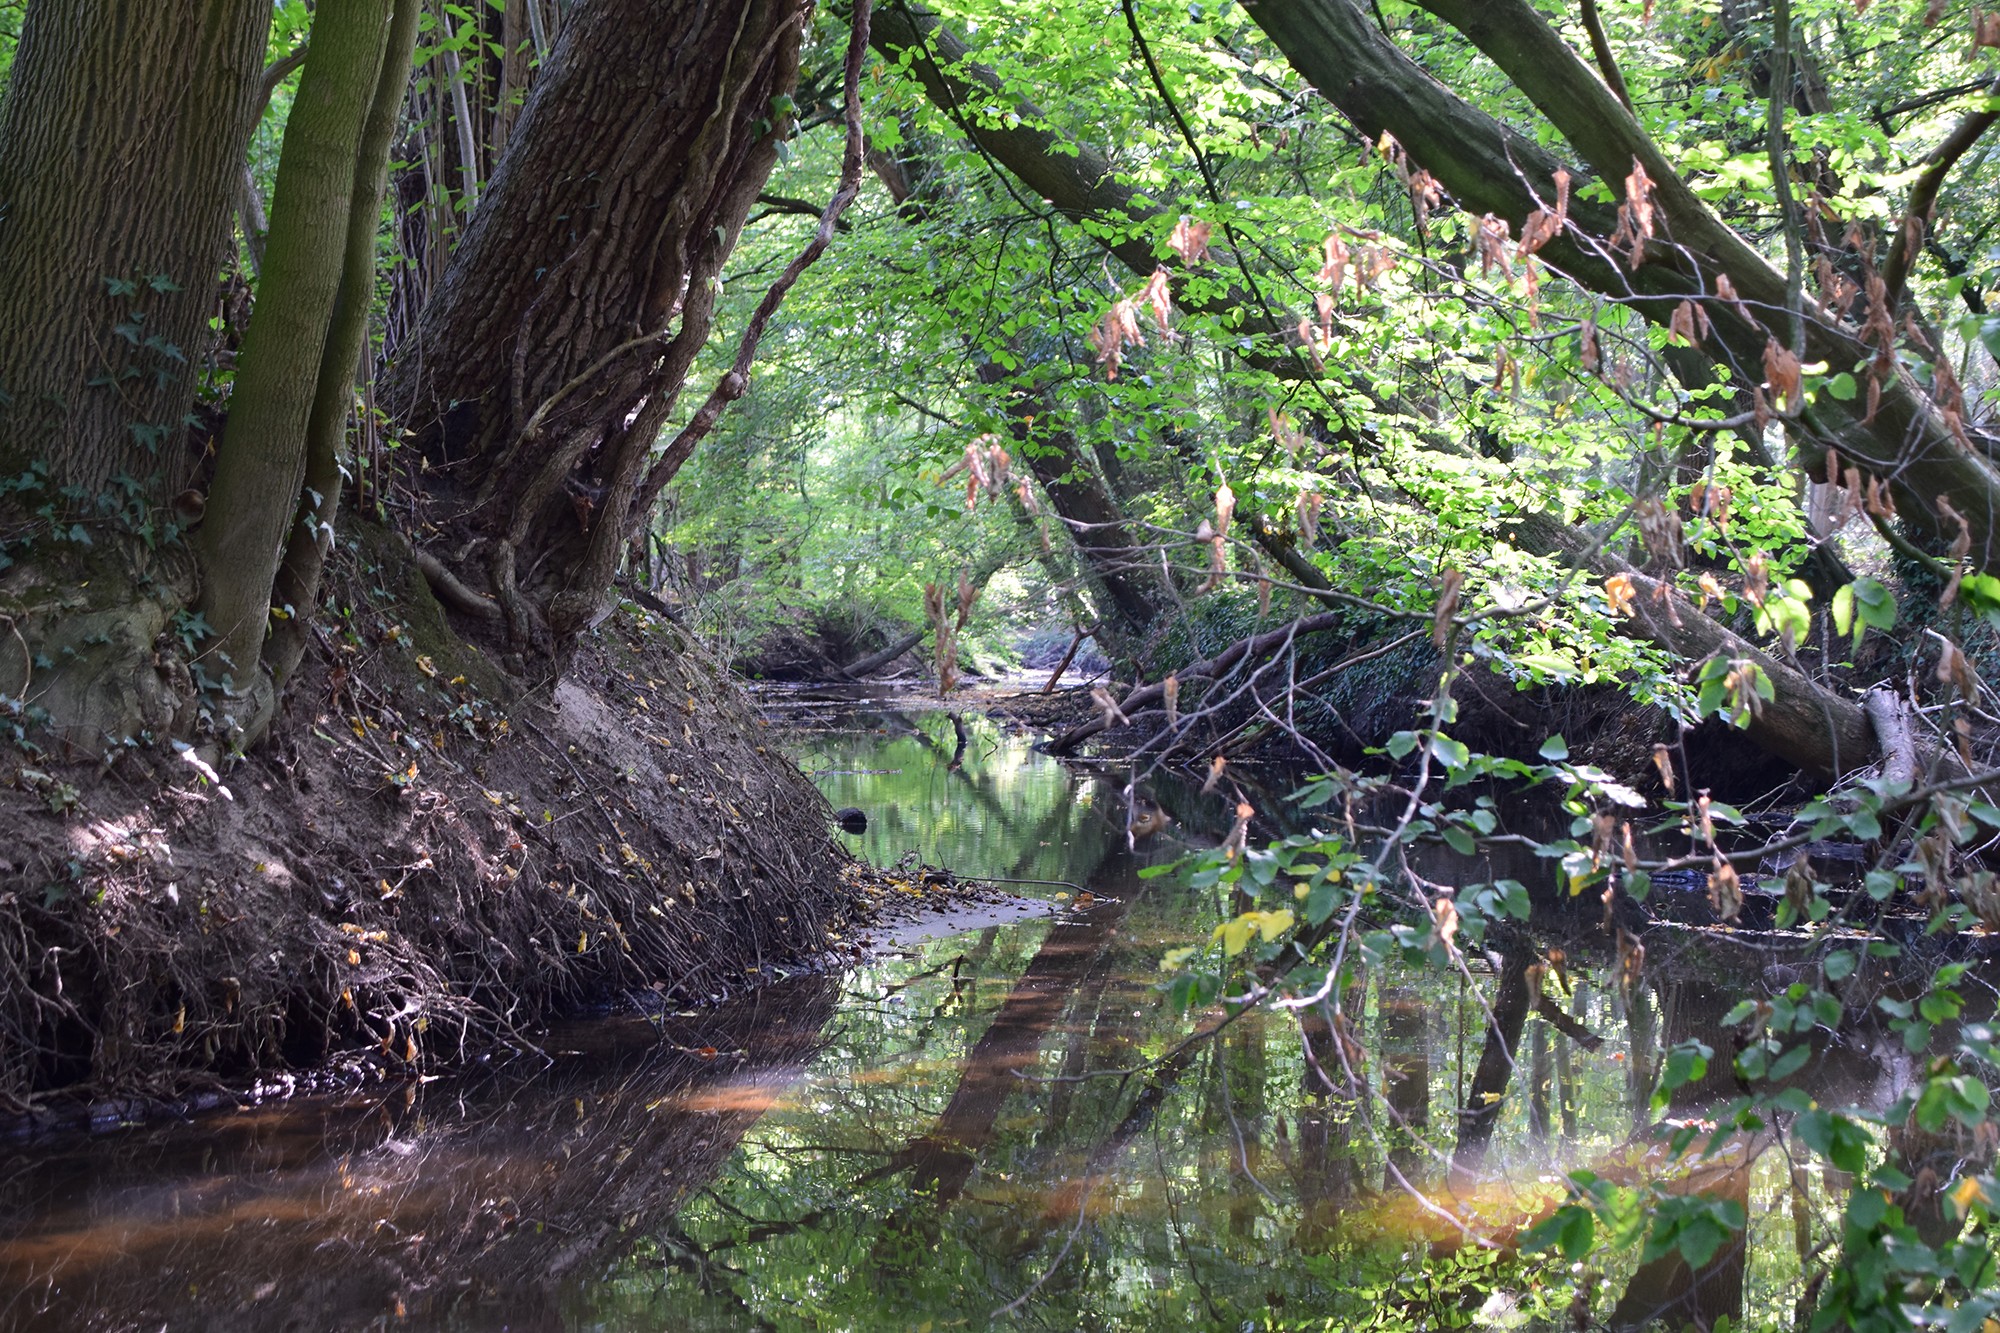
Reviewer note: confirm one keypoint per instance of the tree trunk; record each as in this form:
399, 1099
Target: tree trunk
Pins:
556, 344
1406, 1084
346, 345
1480, 1115
1804, 723
1114, 560
261, 464
123, 131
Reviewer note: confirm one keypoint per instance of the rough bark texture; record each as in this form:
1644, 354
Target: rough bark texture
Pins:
116, 169
1489, 168
554, 348
261, 464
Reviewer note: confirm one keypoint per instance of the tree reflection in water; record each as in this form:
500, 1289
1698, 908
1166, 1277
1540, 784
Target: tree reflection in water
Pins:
1011, 1120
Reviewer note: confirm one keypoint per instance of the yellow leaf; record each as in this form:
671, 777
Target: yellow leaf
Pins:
1236, 935
1619, 591
1274, 924
582, 940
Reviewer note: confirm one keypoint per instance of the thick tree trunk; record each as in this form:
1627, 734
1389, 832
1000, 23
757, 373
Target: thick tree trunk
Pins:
1804, 723
559, 338
123, 132
261, 464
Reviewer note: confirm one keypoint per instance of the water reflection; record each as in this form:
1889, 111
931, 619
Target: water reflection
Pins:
485, 1203
1003, 1126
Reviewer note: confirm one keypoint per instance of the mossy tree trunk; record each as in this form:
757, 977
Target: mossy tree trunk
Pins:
260, 466
334, 390
557, 343
122, 135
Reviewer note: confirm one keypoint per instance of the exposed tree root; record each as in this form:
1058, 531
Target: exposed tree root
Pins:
423, 863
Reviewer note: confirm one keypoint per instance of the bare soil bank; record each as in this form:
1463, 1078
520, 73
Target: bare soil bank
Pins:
428, 860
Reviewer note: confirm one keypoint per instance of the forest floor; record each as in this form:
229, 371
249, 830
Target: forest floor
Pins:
425, 864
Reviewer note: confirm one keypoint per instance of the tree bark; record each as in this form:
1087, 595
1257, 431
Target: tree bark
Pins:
876, 661
346, 345
558, 340
261, 463
123, 131
1130, 593
1487, 1097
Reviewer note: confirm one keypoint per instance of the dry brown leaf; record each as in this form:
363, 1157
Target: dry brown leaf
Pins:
1334, 271
1450, 582
1635, 216
1159, 298
1781, 374
1189, 240
1309, 506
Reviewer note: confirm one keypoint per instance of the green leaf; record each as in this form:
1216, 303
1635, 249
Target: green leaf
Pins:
1843, 610
1835, 1137
1791, 1062
1452, 754
1555, 748
1685, 1063
1842, 387
1569, 1229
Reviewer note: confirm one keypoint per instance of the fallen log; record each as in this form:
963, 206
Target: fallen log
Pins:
875, 661
1804, 723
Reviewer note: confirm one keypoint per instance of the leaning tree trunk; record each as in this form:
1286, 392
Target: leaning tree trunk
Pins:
261, 464
122, 134
558, 340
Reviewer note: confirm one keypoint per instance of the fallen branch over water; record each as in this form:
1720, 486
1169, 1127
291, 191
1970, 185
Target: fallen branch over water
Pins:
876, 661
1222, 662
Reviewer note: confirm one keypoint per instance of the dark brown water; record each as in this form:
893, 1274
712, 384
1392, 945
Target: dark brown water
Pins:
1003, 1126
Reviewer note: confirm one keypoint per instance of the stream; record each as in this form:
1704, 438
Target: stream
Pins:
1005, 1125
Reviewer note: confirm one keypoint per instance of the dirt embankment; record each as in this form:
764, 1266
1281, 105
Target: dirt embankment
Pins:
428, 859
